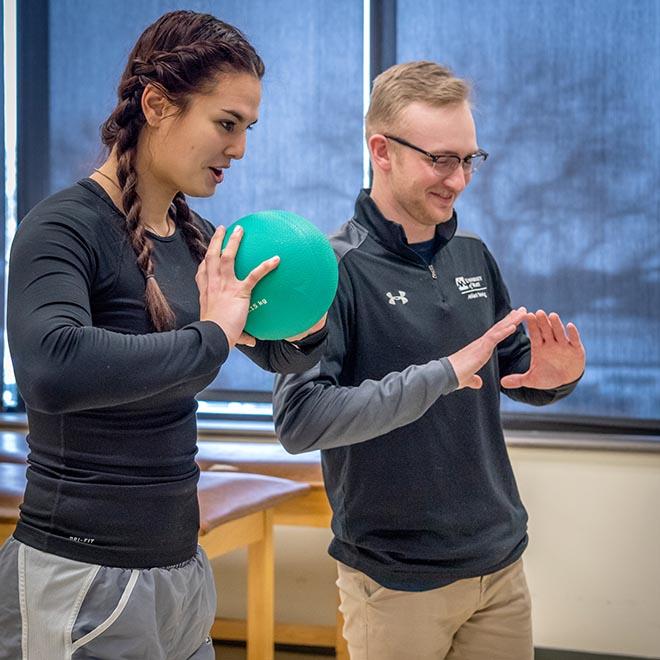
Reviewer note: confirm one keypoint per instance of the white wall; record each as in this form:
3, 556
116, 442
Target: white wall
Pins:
593, 562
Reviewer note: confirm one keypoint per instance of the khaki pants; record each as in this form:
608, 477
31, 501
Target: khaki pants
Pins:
481, 618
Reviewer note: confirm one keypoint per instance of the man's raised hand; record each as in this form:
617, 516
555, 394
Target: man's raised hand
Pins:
558, 356
472, 357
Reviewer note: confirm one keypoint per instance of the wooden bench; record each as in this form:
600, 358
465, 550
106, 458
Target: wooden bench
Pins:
12, 487
13, 447
310, 510
236, 510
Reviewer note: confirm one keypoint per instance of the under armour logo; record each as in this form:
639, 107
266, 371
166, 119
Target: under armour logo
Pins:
401, 298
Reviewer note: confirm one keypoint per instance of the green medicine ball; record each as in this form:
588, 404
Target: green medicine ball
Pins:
294, 296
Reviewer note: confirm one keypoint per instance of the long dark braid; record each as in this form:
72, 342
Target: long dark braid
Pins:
181, 53
194, 238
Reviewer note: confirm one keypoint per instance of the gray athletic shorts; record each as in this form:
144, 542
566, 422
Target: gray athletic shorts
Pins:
53, 608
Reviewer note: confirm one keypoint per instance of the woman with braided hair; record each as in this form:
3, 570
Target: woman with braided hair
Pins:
122, 307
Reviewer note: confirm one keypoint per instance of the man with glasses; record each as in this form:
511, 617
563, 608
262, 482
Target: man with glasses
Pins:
428, 525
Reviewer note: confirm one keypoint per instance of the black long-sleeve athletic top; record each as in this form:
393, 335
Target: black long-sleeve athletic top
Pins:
110, 403
417, 473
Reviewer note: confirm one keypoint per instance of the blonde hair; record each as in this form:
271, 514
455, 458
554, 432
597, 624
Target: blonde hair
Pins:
403, 84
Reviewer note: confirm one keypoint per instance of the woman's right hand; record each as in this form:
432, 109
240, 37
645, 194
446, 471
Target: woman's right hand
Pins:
223, 298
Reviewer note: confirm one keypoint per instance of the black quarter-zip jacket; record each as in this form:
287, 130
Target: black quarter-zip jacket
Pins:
417, 473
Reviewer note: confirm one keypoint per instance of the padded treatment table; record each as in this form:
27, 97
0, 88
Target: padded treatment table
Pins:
13, 447
236, 510
310, 510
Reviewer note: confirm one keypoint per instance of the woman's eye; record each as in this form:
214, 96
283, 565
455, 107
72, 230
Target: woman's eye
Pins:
227, 125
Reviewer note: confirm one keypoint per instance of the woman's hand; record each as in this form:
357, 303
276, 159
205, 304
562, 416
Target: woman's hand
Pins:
319, 325
223, 298
249, 340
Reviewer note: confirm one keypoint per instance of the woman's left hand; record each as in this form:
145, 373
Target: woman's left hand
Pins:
249, 340
315, 328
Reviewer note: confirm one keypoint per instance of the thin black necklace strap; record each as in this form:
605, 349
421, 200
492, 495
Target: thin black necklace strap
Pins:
112, 181
168, 219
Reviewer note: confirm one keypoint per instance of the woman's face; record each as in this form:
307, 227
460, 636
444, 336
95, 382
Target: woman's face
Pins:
190, 150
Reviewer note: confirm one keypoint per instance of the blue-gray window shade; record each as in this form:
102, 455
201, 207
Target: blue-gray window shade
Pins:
567, 97
305, 154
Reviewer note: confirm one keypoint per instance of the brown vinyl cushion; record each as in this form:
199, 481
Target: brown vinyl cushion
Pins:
228, 496
256, 457
222, 497
13, 447
260, 458
12, 487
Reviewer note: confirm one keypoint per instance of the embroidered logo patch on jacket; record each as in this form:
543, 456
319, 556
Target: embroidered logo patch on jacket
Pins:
472, 287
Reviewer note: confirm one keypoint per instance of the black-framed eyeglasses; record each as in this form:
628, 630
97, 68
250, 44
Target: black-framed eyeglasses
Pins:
445, 164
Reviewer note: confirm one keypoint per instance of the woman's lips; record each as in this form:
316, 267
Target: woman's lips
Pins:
218, 174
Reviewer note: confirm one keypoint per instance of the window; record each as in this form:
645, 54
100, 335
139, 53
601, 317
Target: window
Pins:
303, 156
566, 104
